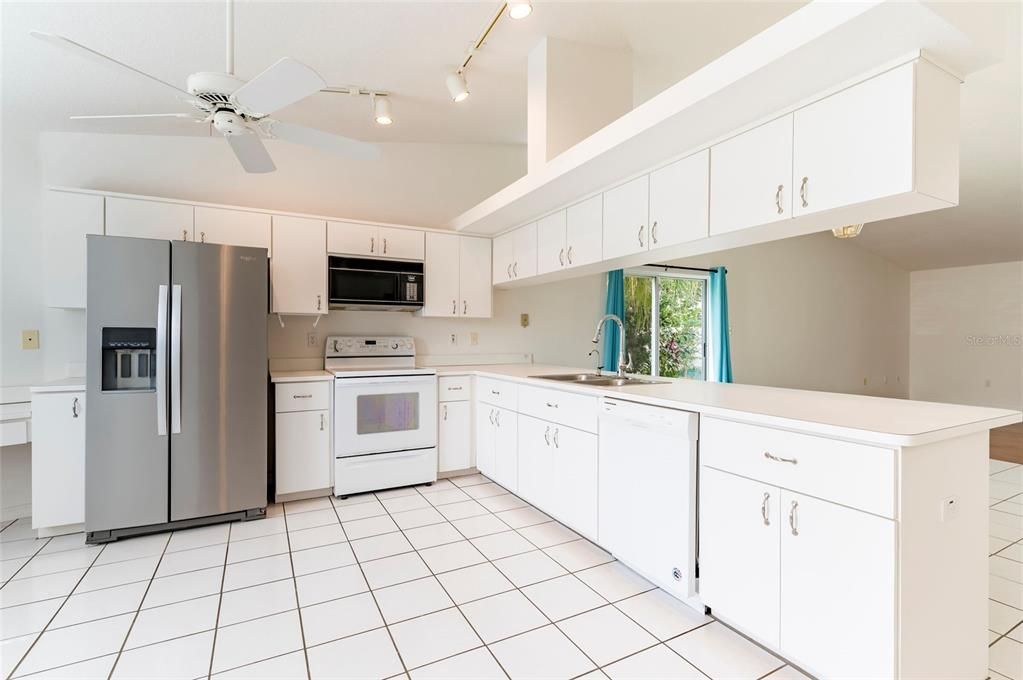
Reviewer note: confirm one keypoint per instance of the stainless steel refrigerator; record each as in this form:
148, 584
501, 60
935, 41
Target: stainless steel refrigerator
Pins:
176, 379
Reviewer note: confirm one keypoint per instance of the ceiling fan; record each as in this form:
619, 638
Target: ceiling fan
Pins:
240, 110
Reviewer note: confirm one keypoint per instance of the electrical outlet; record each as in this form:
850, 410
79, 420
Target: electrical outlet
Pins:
30, 339
864, 381
474, 339
454, 339
312, 340
524, 320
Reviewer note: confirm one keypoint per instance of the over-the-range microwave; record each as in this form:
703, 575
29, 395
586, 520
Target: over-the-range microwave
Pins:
388, 285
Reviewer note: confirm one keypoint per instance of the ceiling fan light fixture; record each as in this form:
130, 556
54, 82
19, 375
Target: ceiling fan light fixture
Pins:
457, 87
382, 110
520, 10
847, 231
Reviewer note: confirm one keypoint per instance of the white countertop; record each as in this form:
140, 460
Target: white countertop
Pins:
300, 376
874, 420
63, 385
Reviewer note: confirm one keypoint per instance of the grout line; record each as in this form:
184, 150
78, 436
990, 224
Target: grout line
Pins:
220, 600
298, 603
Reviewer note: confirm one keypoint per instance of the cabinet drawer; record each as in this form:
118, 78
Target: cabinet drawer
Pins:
566, 408
307, 396
498, 393
856, 475
454, 388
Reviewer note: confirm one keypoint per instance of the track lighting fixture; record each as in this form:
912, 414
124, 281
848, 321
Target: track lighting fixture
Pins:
382, 109
457, 87
520, 10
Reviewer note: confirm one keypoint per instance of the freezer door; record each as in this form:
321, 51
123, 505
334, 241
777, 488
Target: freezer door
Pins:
218, 379
126, 441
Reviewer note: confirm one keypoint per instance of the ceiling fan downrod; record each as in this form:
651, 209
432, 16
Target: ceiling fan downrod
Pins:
230, 37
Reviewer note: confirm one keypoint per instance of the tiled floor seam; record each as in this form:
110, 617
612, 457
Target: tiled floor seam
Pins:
220, 600
298, 603
30, 558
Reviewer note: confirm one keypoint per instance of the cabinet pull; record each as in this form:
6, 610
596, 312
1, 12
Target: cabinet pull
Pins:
639, 234
202, 237
323, 422
779, 459
515, 269
319, 303
491, 416
764, 511
497, 418
385, 246
653, 232
569, 254
794, 518
455, 389
556, 431
802, 191
301, 396
445, 411
552, 405
777, 199
184, 234
454, 306
509, 270
74, 408
561, 257
547, 435
495, 393
372, 244
465, 306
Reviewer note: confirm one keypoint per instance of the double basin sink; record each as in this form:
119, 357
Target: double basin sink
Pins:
597, 380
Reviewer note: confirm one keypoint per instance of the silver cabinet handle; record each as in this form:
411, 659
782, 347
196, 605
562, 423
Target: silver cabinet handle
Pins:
202, 236
777, 198
455, 389
465, 306
547, 435
323, 422
509, 270
802, 191
497, 418
794, 518
779, 459
385, 246
569, 254
445, 411
372, 244
561, 257
495, 393
301, 396
491, 416
556, 431
184, 234
764, 511
639, 234
454, 306
552, 405
515, 269
74, 408
319, 302
175, 359
161, 361
653, 232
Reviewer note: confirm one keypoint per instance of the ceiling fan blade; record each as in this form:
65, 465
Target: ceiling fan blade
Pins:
251, 153
189, 116
89, 53
326, 141
284, 83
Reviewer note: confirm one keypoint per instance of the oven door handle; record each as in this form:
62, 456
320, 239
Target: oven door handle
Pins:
342, 383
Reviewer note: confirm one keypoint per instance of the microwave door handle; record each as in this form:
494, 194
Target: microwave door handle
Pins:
161, 361
175, 340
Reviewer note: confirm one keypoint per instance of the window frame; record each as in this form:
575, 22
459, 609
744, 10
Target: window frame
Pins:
655, 273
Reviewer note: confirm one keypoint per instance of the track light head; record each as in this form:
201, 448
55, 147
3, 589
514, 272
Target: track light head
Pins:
520, 10
382, 110
457, 87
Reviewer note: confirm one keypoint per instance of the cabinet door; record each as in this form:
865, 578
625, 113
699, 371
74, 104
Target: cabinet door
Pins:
353, 238
474, 277
441, 274
232, 227
401, 244
679, 201
454, 437
303, 451
837, 589
58, 459
750, 178
739, 552
148, 219
625, 218
299, 266
550, 243
485, 438
503, 257
69, 218
506, 450
856, 145
536, 482
584, 232
524, 264
575, 479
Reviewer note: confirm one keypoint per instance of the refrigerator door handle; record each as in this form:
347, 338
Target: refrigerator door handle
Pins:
175, 359
161, 361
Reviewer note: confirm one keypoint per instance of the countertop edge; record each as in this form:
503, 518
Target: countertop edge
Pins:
300, 376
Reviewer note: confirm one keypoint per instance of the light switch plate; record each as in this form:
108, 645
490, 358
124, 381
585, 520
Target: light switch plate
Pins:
30, 339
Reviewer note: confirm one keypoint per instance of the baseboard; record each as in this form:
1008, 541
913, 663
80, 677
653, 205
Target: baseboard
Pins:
15, 512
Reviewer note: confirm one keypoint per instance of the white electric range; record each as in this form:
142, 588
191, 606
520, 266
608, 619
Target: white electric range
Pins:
385, 414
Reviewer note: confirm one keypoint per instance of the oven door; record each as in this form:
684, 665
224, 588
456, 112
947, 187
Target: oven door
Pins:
384, 414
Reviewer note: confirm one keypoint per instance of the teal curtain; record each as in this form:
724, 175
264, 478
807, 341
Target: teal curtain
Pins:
720, 350
615, 305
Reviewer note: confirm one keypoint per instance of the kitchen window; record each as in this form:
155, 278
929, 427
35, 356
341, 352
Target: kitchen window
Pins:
666, 323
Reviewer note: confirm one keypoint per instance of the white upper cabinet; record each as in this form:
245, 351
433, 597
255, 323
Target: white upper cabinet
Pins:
550, 243
625, 218
679, 201
149, 219
750, 178
504, 255
474, 275
515, 254
370, 240
583, 229
68, 219
298, 268
232, 227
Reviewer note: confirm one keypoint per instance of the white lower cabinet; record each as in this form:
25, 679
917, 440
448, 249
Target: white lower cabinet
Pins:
485, 438
574, 476
497, 454
454, 436
303, 453
536, 461
58, 459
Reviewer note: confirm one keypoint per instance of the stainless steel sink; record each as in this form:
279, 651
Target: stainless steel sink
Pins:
571, 377
598, 380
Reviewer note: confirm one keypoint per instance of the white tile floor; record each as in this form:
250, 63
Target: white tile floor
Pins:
456, 580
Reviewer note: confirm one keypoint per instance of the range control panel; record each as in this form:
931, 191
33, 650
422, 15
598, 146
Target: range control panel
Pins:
370, 346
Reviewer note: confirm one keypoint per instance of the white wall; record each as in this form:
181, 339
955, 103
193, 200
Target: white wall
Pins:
817, 313
966, 335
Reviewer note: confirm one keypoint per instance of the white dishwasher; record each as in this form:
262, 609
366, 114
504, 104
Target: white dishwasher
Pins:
647, 492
